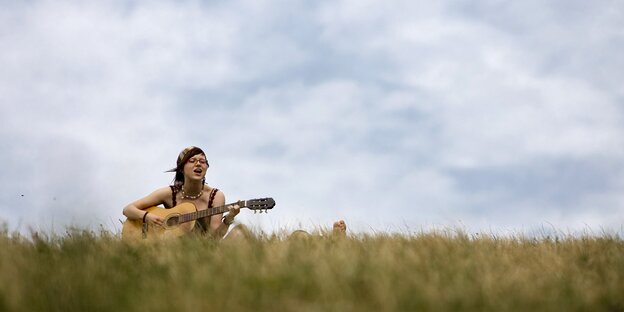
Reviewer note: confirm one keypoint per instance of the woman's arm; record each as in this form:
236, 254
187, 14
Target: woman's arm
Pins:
135, 209
219, 225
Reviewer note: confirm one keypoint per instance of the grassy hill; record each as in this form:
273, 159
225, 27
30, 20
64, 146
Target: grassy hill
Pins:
87, 271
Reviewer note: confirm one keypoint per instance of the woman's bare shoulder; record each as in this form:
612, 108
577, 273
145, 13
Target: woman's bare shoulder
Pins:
165, 190
160, 196
219, 197
155, 198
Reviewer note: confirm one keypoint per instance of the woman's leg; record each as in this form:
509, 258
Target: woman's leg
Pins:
238, 232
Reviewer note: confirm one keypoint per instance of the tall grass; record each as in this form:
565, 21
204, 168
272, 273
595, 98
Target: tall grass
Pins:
437, 271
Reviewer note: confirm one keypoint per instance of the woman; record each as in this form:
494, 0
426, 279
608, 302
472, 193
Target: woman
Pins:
189, 185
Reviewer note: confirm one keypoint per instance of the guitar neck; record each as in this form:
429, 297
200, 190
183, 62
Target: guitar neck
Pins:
210, 211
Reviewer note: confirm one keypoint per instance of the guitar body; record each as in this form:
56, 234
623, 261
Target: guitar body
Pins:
133, 229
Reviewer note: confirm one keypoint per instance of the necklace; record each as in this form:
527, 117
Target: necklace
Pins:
184, 196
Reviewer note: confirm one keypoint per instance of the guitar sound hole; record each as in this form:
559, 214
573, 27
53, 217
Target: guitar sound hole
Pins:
173, 221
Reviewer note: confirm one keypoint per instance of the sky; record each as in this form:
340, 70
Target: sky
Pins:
395, 116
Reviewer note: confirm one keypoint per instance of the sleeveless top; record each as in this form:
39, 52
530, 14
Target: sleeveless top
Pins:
200, 224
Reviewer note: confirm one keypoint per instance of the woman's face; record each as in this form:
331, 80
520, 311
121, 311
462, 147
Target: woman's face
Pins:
196, 167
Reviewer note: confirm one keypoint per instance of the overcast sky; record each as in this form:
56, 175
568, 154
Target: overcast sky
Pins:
500, 116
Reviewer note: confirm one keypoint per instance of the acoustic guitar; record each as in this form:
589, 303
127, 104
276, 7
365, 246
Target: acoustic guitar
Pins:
180, 219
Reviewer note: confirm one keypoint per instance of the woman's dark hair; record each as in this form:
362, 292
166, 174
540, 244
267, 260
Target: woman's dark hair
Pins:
183, 158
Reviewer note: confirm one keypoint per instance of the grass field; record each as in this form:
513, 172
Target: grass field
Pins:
84, 270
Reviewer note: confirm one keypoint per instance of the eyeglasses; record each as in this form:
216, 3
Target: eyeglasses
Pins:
200, 160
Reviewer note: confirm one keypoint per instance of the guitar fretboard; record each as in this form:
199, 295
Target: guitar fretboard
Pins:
209, 212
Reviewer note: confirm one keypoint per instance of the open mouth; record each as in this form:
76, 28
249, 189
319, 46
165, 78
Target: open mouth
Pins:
197, 171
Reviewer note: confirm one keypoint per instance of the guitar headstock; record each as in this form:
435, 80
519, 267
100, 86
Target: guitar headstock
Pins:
260, 204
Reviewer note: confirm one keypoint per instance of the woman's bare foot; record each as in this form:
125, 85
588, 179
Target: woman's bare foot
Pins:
340, 228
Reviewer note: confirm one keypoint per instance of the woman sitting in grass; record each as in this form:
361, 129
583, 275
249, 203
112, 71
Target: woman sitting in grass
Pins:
189, 186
